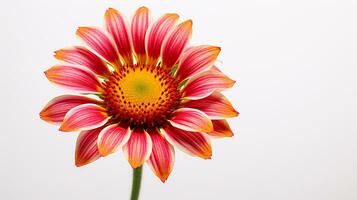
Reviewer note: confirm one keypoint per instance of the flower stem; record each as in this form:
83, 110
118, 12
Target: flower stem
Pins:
135, 188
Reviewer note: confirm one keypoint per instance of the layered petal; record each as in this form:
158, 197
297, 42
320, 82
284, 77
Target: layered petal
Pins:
138, 148
216, 106
156, 35
221, 129
74, 78
111, 138
82, 56
175, 43
118, 27
191, 120
196, 60
193, 143
57, 108
86, 147
139, 26
84, 117
100, 43
162, 158
205, 84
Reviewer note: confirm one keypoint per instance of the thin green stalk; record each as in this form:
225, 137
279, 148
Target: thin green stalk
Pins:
135, 188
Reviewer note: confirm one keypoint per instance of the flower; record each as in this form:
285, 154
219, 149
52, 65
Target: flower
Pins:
141, 88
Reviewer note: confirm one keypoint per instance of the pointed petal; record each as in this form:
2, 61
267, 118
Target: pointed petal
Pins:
111, 138
216, 106
56, 109
191, 120
82, 56
196, 60
84, 117
118, 27
205, 84
138, 148
100, 43
175, 43
221, 129
86, 147
193, 143
162, 157
139, 26
74, 78
156, 34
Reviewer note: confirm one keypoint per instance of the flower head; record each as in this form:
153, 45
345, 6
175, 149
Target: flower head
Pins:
141, 88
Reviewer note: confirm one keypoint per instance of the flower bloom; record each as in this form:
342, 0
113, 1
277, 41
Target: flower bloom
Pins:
141, 88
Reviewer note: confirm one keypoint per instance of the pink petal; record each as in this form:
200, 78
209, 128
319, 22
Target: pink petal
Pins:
191, 120
138, 148
175, 43
193, 143
221, 129
216, 106
111, 138
74, 78
100, 43
162, 157
86, 147
139, 26
84, 57
205, 84
196, 60
156, 34
84, 117
57, 108
118, 27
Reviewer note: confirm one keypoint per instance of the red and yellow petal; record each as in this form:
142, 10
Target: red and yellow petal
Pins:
74, 78
86, 147
191, 120
100, 43
216, 106
57, 108
205, 84
139, 26
162, 158
111, 138
156, 34
193, 143
221, 129
175, 43
84, 117
118, 27
196, 60
82, 56
138, 149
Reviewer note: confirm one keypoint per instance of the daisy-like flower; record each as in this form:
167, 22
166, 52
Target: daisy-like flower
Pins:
141, 88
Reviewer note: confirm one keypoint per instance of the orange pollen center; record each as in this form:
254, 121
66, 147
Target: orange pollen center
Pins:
141, 96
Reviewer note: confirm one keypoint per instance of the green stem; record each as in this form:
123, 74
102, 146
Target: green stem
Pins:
135, 188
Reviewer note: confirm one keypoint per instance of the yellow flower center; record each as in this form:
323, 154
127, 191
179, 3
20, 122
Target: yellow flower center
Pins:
141, 95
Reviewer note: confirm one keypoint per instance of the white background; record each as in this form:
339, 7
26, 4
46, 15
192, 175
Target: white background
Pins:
296, 138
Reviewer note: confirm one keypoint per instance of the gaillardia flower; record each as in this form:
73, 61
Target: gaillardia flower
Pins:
143, 88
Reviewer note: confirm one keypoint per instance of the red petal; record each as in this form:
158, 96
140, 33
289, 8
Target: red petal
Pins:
84, 117
191, 120
193, 143
57, 108
82, 56
221, 129
86, 148
138, 148
175, 43
162, 157
111, 138
118, 27
74, 78
139, 26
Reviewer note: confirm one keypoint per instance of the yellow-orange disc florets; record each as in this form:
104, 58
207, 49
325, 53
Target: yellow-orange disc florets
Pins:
141, 95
